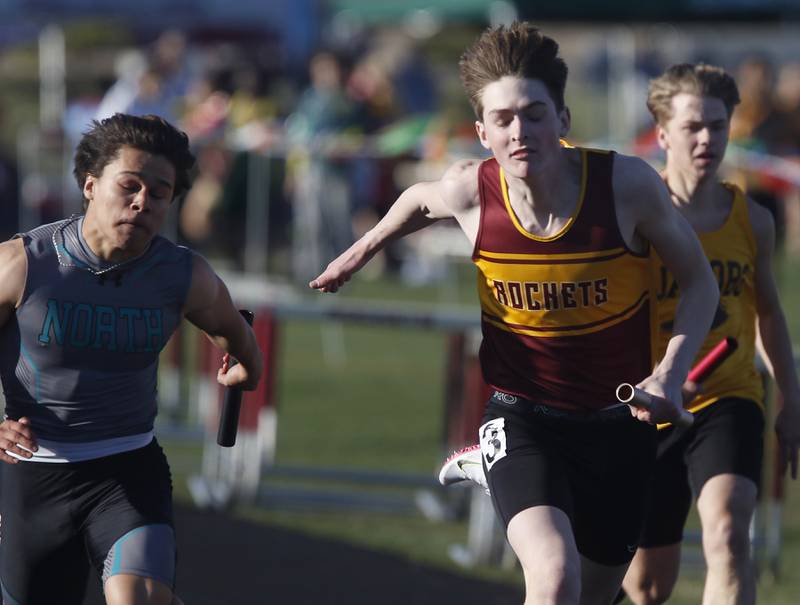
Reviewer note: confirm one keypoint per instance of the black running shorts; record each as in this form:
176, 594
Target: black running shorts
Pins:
726, 437
596, 467
58, 520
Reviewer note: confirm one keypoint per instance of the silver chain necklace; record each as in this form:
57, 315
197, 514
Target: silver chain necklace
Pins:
64, 261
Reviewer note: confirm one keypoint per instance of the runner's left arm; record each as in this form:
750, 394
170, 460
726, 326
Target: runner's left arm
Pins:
775, 338
210, 308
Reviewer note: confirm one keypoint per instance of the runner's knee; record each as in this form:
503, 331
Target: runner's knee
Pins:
127, 589
653, 574
551, 567
652, 588
140, 567
555, 582
727, 537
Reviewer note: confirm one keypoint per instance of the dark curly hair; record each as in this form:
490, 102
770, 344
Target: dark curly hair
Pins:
517, 50
101, 144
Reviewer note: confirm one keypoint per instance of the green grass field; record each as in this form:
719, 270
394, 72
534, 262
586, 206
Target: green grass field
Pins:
371, 398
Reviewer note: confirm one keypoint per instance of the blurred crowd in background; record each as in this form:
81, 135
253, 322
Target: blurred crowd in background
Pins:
297, 158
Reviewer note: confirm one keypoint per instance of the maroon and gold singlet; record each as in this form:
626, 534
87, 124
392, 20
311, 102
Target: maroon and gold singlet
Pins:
567, 317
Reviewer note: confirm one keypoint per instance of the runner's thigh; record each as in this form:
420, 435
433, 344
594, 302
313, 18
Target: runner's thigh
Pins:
42, 557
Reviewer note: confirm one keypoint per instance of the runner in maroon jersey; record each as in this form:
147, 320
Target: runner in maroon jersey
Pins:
561, 240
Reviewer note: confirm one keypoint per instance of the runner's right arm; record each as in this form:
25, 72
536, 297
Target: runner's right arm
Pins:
422, 204
13, 271
648, 211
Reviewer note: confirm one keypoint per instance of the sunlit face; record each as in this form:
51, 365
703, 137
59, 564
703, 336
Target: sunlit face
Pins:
129, 201
521, 125
696, 136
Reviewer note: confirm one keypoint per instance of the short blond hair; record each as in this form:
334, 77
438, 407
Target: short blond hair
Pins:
695, 79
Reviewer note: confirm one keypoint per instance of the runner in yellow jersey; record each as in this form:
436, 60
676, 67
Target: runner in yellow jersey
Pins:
718, 460
560, 240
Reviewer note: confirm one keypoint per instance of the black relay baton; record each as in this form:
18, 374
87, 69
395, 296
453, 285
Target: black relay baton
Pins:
231, 402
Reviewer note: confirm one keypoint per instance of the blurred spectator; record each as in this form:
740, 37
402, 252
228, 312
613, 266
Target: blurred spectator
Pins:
767, 122
759, 125
397, 99
205, 111
249, 101
9, 191
787, 102
153, 82
319, 179
370, 87
170, 59
152, 97
196, 215
254, 121
755, 78
128, 68
397, 56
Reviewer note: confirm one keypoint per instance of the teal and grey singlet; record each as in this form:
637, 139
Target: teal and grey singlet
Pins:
80, 356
